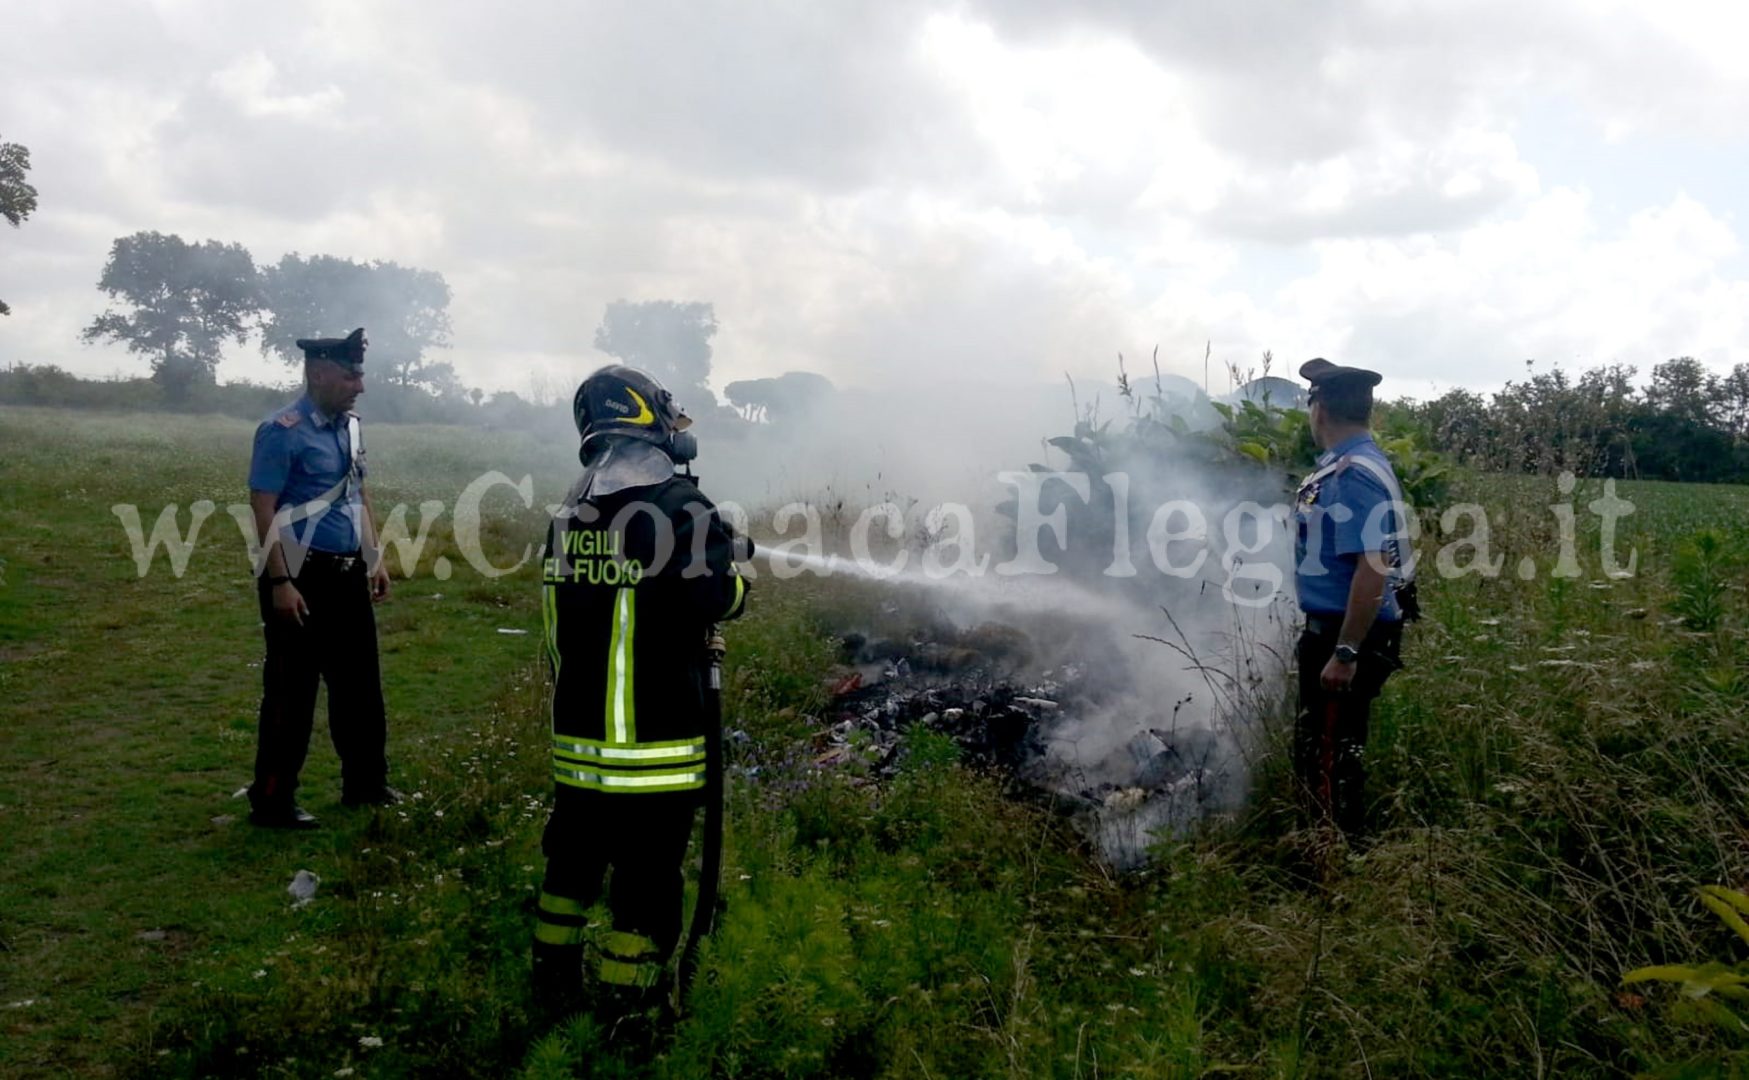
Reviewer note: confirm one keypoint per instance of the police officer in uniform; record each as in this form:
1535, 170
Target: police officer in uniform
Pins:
637, 568
1354, 573
320, 574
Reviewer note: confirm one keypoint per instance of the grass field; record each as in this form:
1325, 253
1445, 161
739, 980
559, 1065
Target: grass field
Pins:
1560, 767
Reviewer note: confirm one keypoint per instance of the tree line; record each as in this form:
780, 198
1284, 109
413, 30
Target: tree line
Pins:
178, 304
1686, 423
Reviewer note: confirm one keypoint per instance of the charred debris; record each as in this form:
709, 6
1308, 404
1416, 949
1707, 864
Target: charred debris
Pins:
1051, 705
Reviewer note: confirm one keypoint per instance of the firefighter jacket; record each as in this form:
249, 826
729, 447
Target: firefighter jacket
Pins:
631, 583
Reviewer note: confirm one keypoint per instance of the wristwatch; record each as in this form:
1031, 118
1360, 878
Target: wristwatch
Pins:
1347, 654
279, 579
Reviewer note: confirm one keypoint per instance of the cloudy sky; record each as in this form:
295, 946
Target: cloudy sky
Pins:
907, 190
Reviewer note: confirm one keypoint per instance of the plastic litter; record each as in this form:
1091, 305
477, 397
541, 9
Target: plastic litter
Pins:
303, 888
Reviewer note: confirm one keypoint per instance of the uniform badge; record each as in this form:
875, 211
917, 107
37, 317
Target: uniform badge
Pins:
288, 419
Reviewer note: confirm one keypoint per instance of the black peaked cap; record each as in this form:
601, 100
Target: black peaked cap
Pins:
1321, 372
347, 351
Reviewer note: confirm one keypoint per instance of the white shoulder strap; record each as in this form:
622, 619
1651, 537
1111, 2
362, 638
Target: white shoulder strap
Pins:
1321, 473
1405, 551
339, 494
1379, 472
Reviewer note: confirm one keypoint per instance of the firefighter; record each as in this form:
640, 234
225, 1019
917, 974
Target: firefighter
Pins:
638, 566
1354, 572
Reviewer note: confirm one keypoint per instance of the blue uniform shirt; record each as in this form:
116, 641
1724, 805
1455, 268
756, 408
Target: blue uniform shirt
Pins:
300, 455
1329, 542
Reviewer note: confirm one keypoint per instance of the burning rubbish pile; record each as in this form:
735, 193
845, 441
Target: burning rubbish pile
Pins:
1124, 764
1131, 697
995, 727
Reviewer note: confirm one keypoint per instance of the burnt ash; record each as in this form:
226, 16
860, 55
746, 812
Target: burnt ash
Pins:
995, 724
981, 688
965, 685
967, 688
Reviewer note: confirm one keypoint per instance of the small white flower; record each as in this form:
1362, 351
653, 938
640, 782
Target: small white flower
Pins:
370, 1042
343, 1072
261, 973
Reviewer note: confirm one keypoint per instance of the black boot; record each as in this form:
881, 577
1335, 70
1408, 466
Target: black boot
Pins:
556, 981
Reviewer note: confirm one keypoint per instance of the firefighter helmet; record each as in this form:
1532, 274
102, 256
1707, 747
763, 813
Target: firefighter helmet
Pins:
620, 400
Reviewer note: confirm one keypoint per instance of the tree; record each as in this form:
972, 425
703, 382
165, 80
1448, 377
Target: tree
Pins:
187, 301
1687, 424
17, 198
787, 397
1734, 402
404, 310
669, 339
1458, 422
1682, 388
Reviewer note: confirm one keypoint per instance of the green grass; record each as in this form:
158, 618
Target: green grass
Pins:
1561, 765
129, 709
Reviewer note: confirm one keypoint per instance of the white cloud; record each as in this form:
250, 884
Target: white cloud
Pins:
1550, 284
249, 84
905, 190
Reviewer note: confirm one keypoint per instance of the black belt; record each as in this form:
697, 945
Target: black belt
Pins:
1323, 625
331, 561
1331, 625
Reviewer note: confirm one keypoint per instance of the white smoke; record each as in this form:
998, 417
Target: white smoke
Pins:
1163, 677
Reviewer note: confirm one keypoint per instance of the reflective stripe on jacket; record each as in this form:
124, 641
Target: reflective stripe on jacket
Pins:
631, 583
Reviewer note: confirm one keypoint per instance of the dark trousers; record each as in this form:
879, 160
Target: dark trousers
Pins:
1330, 731
643, 839
337, 643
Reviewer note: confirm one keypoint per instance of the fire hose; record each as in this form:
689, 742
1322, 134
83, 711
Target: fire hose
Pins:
711, 857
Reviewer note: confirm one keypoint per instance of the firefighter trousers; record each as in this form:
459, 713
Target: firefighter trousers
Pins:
642, 840
1329, 747
337, 643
